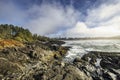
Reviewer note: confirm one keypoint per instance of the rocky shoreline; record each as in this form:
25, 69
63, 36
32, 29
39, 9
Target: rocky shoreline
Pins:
26, 63
43, 61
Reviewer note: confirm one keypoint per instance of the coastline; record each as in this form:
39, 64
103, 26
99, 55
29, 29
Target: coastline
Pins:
44, 61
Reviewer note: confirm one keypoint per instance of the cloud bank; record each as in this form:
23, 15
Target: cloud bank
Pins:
51, 18
102, 21
55, 20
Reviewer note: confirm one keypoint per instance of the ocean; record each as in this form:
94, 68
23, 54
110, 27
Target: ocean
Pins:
81, 47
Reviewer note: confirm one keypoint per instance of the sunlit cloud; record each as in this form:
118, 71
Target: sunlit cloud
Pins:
102, 21
81, 30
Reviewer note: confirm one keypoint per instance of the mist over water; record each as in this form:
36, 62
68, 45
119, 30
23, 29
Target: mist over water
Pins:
81, 47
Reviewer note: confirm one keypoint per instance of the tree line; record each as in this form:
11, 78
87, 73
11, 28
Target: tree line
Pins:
19, 34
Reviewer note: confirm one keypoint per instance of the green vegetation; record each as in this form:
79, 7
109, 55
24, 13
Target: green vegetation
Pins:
19, 34
15, 36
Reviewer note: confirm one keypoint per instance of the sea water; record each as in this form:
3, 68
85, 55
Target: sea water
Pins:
81, 47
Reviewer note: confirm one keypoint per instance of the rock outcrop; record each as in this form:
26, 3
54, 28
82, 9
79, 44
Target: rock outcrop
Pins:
108, 67
43, 61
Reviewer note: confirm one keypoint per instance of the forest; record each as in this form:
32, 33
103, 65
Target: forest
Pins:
19, 33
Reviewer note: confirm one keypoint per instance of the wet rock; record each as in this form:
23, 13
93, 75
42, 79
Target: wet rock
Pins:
109, 63
85, 57
79, 63
112, 75
77, 60
118, 77
93, 61
55, 47
107, 76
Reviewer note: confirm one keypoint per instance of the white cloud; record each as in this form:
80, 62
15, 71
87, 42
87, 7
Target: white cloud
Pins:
51, 18
54, 19
102, 21
41, 19
103, 13
81, 30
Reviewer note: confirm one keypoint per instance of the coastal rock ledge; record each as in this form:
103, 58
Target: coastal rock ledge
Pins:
33, 62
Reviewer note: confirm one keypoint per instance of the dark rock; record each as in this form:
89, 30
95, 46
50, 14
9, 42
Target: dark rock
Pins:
33, 54
38, 76
78, 65
106, 76
85, 57
56, 56
5, 51
115, 71
110, 63
77, 60
1, 77
55, 47
93, 61
118, 77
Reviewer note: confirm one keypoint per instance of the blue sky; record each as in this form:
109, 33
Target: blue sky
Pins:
65, 18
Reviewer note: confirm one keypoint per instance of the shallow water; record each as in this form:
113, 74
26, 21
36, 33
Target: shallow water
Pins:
81, 47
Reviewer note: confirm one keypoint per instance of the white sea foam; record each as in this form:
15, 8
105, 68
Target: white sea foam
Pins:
81, 47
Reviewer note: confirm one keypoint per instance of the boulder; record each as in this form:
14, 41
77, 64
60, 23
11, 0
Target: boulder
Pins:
77, 60
109, 63
73, 73
85, 57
